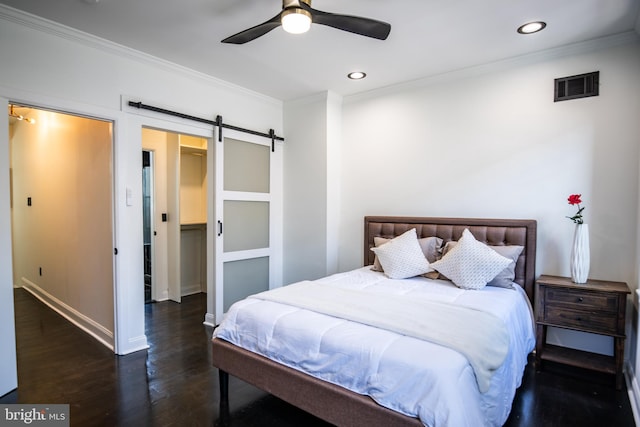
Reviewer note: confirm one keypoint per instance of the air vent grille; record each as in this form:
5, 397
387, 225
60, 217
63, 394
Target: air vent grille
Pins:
574, 87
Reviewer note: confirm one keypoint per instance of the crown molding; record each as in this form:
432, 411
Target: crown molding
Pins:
497, 66
56, 29
325, 96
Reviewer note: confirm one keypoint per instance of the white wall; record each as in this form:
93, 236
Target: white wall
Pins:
334, 180
494, 144
8, 367
59, 68
305, 189
312, 179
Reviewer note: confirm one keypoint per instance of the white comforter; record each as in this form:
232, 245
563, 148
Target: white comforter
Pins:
409, 375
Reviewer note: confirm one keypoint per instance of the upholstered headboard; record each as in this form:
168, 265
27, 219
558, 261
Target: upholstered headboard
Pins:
494, 232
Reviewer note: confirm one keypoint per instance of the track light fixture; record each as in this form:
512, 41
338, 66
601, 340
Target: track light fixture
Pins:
20, 116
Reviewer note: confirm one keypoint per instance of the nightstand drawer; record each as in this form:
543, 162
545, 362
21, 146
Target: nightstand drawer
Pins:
581, 300
583, 320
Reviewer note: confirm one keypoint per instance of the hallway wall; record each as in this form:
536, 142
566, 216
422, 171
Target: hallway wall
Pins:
63, 242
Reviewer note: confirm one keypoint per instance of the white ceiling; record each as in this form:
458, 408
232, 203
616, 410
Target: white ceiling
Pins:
428, 37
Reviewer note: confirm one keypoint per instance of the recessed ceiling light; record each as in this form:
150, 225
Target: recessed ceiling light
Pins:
356, 75
531, 27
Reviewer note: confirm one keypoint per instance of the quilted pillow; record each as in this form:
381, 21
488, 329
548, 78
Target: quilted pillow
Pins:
430, 248
402, 257
505, 278
471, 264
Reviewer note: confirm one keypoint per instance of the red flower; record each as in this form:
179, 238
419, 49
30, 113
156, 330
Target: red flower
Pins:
574, 199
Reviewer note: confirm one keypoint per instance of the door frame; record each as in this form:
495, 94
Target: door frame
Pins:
91, 112
9, 367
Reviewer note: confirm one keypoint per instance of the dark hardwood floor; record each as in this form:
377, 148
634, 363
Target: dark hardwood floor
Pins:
174, 384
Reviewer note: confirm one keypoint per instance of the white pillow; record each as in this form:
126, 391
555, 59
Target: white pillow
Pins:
402, 256
505, 278
471, 264
430, 246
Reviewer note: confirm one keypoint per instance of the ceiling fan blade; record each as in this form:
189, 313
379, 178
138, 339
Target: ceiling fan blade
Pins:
254, 32
354, 24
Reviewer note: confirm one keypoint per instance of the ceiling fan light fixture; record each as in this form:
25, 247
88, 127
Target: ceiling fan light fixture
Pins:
297, 16
295, 20
531, 27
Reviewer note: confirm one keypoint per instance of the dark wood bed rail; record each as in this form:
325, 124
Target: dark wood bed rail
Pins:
327, 401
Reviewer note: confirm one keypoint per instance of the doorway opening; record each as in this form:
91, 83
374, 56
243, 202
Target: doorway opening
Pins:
61, 200
175, 213
147, 223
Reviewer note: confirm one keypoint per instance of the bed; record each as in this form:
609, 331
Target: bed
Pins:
456, 399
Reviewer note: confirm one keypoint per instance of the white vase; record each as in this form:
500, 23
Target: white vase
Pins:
580, 254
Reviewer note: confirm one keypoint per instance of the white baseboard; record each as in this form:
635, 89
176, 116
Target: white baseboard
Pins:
209, 320
634, 392
164, 295
90, 326
191, 290
133, 345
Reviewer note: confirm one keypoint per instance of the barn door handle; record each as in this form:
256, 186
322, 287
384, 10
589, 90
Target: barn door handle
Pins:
219, 228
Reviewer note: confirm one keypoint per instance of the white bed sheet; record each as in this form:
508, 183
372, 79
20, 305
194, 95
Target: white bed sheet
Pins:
408, 375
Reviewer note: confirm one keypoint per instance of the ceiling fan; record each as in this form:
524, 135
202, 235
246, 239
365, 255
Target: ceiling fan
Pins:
297, 15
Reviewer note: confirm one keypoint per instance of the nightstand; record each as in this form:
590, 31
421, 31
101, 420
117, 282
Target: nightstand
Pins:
597, 306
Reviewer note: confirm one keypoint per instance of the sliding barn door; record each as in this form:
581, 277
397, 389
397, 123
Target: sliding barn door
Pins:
244, 218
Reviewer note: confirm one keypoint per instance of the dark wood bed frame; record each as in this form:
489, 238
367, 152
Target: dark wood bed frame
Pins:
333, 403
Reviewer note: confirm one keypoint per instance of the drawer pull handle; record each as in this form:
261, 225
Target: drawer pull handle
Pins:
580, 299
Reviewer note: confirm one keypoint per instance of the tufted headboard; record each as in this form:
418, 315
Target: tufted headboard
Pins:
494, 232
